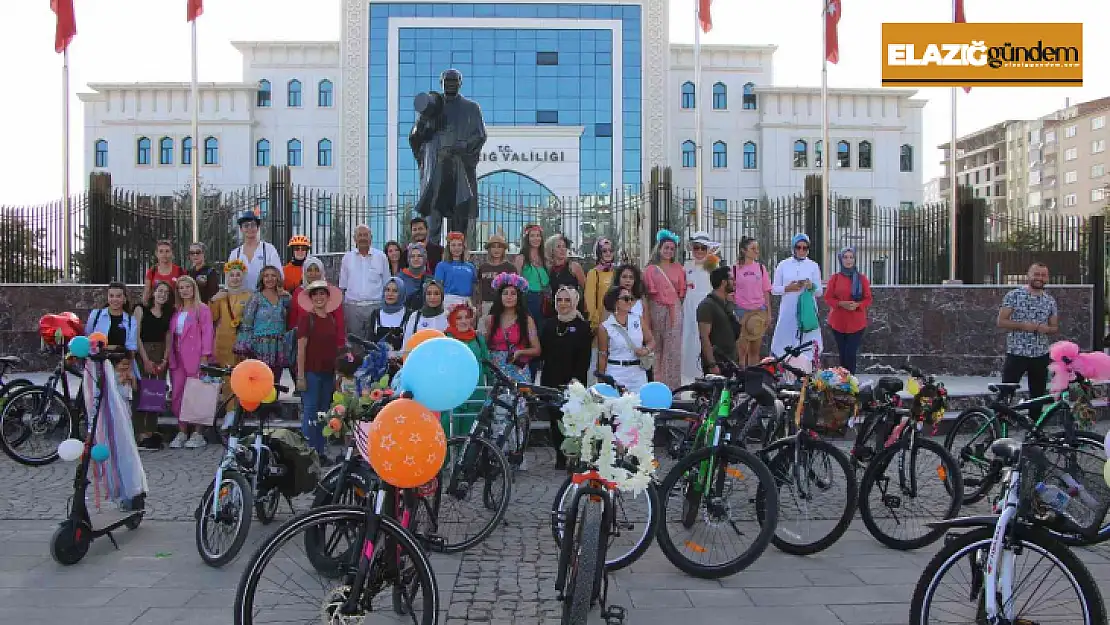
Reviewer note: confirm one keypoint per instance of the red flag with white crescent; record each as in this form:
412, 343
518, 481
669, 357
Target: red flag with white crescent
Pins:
832, 21
195, 10
704, 15
66, 27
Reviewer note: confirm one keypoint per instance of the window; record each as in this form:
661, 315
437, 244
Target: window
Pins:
1098, 123
323, 153
865, 213
293, 152
547, 58
1071, 154
187, 151
1070, 177
720, 213
749, 96
689, 154
843, 154
976, 177
689, 98
905, 207
1098, 145
750, 209
264, 93
323, 212
100, 153
165, 151
262, 153
1069, 131
211, 151
878, 272
1050, 136
293, 94
1097, 195
142, 151
864, 155
720, 96
818, 154
751, 157
325, 94
844, 212
547, 117
905, 158
801, 153
1071, 199
1097, 171
603, 130
720, 155
1035, 177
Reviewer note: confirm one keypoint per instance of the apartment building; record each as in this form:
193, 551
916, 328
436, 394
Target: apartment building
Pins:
1072, 172
981, 163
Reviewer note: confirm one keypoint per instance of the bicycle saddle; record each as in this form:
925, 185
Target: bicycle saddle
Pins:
10, 360
890, 384
1004, 387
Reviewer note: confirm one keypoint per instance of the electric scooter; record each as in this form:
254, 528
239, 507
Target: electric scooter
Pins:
71, 540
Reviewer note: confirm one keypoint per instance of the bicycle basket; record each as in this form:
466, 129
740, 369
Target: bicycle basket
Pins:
826, 410
1078, 473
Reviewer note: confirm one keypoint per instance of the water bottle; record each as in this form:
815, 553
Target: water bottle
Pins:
1064, 504
1075, 488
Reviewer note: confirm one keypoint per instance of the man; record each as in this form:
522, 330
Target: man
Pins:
362, 276
718, 327
1029, 316
418, 233
206, 276
255, 252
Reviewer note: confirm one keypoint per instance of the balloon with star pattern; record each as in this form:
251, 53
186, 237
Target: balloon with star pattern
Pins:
405, 443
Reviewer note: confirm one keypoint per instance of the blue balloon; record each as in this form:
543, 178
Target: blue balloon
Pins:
79, 346
441, 373
99, 452
605, 390
656, 395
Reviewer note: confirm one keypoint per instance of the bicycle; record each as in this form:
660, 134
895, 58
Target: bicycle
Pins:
34, 412
989, 591
10, 386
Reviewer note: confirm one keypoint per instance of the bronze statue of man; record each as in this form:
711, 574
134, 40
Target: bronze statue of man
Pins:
447, 142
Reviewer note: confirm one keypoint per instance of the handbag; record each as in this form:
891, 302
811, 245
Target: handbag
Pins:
152, 396
807, 312
647, 361
199, 401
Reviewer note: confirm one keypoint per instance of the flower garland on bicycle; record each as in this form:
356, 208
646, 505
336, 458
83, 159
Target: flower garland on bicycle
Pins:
612, 435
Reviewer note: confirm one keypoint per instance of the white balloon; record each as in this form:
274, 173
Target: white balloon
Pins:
70, 449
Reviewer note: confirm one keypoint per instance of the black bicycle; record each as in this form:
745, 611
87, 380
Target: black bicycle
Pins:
36, 418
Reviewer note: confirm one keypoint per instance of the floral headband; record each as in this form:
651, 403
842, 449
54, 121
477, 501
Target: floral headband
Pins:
666, 235
456, 236
232, 265
532, 227
505, 279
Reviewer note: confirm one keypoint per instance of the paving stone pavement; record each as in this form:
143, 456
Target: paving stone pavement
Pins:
157, 577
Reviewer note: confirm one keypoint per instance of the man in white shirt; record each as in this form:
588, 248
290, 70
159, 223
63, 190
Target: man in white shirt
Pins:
362, 276
255, 252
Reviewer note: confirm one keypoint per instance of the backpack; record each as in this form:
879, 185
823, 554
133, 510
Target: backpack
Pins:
301, 462
807, 312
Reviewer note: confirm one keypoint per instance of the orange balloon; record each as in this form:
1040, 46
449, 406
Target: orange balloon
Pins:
405, 444
249, 406
420, 337
100, 337
252, 380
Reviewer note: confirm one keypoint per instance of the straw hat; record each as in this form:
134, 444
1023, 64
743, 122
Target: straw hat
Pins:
754, 325
497, 239
335, 296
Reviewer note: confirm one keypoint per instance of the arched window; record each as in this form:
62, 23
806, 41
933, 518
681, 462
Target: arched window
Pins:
293, 96
323, 153
864, 155
187, 151
142, 151
100, 153
749, 96
293, 153
689, 154
905, 157
720, 96
801, 153
751, 155
689, 97
211, 151
720, 155
819, 154
262, 153
843, 154
325, 94
165, 151
264, 94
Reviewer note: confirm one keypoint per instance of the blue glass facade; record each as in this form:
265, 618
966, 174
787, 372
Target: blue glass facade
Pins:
515, 77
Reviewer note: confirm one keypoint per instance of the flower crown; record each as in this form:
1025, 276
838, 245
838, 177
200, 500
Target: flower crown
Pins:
232, 265
456, 236
505, 279
666, 235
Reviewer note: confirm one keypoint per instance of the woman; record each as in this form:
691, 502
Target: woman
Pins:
461, 325
848, 295
319, 339
388, 322
697, 287
753, 299
665, 281
456, 273
531, 264
393, 255
513, 342
622, 339
598, 281
313, 271
415, 275
496, 263
164, 270
567, 344
114, 321
795, 277
299, 246
227, 309
153, 319
189, 343
262, 330
207, 277
561, 270
430, 315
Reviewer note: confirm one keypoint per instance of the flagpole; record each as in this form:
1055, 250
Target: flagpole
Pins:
195, 156
698, 197
67, 217
826, 152
952, 207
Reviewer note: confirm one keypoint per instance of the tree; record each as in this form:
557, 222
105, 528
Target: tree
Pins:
24, 252
1025, 238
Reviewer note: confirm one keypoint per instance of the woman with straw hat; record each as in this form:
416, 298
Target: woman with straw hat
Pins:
697, 287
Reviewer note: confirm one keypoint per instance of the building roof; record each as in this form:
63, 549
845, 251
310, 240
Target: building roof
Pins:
799, 90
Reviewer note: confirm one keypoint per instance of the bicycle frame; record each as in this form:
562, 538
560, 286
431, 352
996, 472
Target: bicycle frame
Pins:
999, 566
231, 460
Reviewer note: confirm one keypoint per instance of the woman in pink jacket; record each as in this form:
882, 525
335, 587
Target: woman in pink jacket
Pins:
189, 343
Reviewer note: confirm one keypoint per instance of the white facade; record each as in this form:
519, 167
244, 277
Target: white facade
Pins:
931, 194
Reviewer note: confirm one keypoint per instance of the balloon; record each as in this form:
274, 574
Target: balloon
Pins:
249, 406
79, 346
912, 387
98, 337
252, 380
441, 373
418, 338
656, 395
70, 449
271, 398
99, 452
605, 390
405, 444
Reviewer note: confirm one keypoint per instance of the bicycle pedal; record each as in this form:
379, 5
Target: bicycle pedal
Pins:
613, 615
432, 542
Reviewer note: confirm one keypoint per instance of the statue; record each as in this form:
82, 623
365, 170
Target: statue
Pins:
447, 143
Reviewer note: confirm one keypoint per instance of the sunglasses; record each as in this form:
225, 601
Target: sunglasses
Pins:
801, 247
699, 248
625, 298
195, 252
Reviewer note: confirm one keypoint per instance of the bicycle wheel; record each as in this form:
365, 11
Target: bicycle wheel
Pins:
1030, 600
34, 420
359, 485
968, 441
266, 505
399, 560
923, 485
732, 478
219, 537
636, 518
1094, 445
817, 493
465, 514
585, 565
12, 386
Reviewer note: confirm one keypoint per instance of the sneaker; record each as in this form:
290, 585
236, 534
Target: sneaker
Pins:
178, 441
196, 441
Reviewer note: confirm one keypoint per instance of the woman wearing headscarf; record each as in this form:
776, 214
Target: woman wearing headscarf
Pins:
431, 313
795, 277
388, 322
462, 324
665, 281
415, 275
848, 295
567, 343
697, 269
598, 281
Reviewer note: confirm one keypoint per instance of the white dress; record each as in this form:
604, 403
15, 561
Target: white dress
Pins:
697, 287
786, 329
632, 377
414, 325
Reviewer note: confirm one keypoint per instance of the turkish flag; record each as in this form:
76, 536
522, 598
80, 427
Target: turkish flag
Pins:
196, 9
66, 27
832, 20
959, 18
703, 15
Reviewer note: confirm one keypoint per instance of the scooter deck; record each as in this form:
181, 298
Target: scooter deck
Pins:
110, 519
